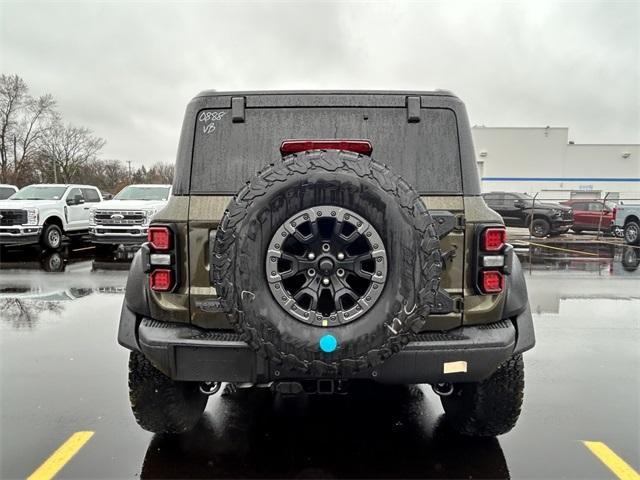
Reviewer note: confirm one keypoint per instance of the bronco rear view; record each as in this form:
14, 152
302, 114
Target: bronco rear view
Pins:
318, 239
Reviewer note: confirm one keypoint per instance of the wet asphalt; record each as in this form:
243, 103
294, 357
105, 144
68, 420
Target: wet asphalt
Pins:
62, 371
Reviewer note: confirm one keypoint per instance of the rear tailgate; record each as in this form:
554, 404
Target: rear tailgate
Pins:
229, 149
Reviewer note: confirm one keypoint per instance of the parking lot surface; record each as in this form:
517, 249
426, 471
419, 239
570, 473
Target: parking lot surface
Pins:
63, 372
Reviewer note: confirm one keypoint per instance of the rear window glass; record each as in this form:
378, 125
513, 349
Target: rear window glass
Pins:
6, 192
90, 195
227, 154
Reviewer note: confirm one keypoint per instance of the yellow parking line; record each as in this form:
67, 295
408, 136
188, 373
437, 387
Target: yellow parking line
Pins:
61, 456
618, 466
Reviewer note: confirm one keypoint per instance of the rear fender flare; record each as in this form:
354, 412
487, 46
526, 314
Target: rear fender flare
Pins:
136, 295
516, 307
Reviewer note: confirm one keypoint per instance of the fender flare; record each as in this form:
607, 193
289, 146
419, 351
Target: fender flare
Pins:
516, 307
135, 305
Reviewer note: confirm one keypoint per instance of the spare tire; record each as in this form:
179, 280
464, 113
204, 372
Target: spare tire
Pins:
327, 263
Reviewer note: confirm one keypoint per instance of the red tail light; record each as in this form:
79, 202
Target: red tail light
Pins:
492, 281
493, 239
159, 238
614, 212
294, 146
161, 280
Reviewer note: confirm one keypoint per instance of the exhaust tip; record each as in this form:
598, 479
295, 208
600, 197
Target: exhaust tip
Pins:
210, 388
443, 389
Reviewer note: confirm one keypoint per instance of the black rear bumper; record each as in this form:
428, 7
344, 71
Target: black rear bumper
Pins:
466, 354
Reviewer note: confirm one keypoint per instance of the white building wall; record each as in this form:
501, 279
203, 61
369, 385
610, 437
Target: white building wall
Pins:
535, 159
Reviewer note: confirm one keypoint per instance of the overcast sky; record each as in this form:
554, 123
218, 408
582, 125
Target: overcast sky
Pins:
128, 69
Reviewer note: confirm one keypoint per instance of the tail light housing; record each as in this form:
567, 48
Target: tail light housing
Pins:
160, 258
614, 212
492, 281
295, 146
159, 238
494, 238
161, 280
493, 258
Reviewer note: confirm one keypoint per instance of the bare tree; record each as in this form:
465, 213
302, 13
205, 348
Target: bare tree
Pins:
13, 93
23, 122
36, 146
38, 118
69, 149
161, 173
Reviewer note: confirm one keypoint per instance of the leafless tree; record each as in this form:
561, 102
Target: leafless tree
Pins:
158, 173
23, 122
36, 146
13, 92
69, 149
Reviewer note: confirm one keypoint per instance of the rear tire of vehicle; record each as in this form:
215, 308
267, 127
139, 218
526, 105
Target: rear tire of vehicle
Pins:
51, 237
490, 407
540, 227
159, 404
632, 233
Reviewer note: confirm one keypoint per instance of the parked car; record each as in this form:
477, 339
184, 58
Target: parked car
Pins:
7, 190
516, 210
124, 219
325, 268
45, 213
627, 217
591, 215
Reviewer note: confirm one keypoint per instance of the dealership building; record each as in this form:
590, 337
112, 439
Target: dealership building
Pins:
532, 159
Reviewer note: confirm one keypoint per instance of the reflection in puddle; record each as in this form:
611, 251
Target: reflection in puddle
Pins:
25, 313
48, 260
601, 259
375, 433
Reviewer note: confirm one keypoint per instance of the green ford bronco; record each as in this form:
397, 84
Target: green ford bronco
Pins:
318, 239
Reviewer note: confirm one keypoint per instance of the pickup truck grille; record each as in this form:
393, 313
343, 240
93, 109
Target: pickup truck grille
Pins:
567, 215
13, 217
119, 217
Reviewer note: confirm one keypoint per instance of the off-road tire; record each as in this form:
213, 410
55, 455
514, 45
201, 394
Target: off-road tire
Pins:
540, 227
306, 180
629, 229
49, 234
159, 404
490, 407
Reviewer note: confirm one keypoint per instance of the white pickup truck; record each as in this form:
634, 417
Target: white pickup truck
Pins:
627, 217
124, 220
45, 213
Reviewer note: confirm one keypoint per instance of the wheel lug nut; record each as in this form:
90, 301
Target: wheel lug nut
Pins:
325, 281
311, 272
311, 256
341, 256
340, 272
326, 247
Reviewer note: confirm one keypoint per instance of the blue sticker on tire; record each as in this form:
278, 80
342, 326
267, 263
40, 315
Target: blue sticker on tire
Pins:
328, 343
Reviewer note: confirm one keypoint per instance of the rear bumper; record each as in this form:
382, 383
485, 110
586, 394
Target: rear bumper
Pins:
20, 235
466, 354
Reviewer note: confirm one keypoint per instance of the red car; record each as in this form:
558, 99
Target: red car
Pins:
587, 215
